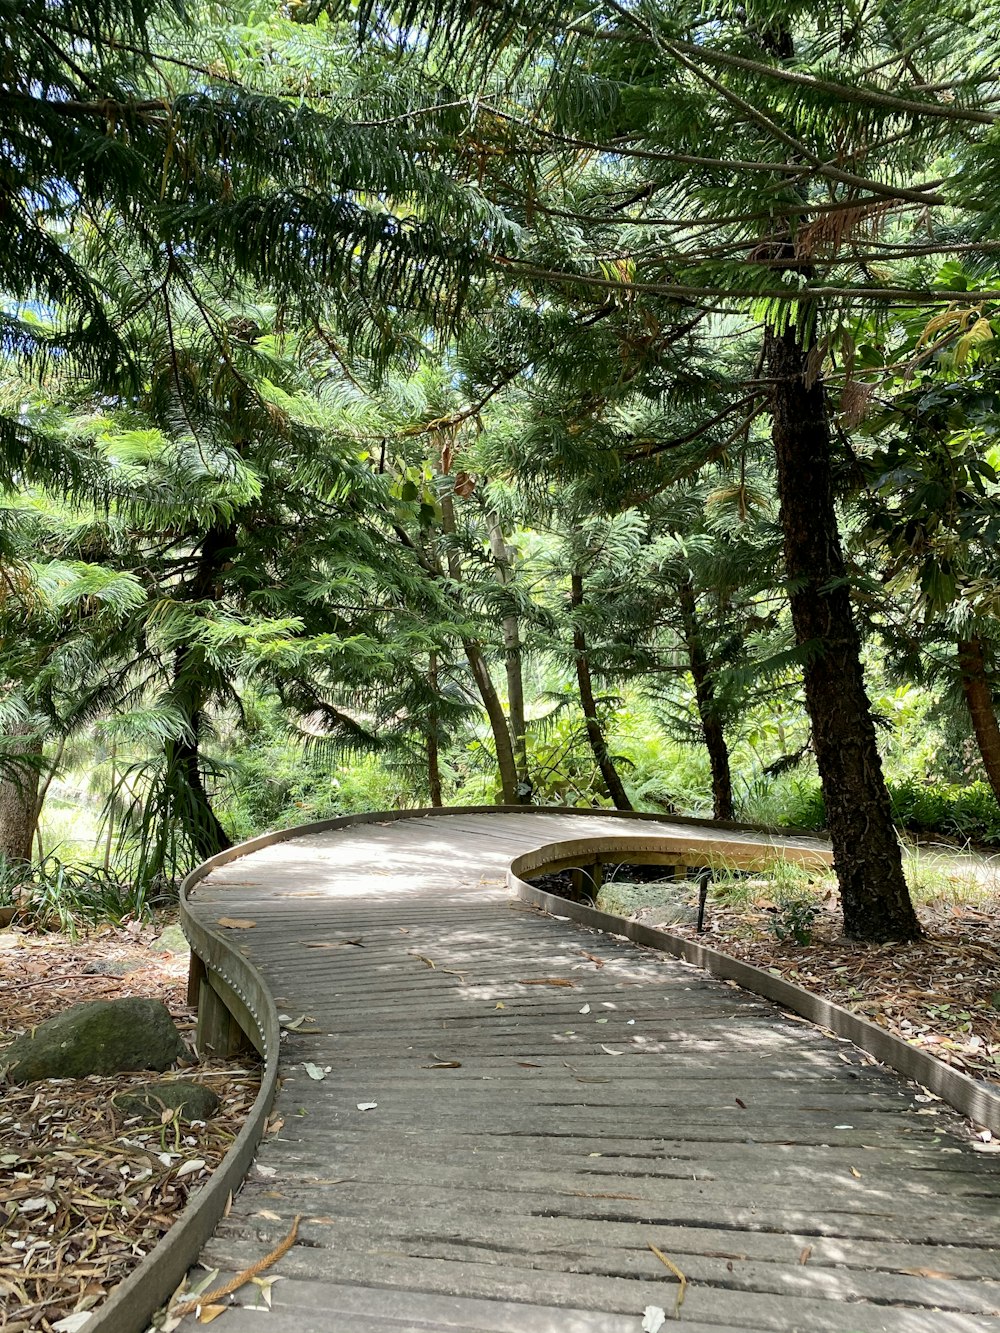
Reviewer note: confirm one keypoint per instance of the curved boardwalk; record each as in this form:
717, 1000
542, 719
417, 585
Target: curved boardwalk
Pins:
798, 1186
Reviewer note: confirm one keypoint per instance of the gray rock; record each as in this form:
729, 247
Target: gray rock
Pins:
171, 940
112, 967
149, 1100
667, 903
99, 1037
669, 914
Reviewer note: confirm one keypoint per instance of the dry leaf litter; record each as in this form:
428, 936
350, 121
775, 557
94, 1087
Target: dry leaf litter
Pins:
85, 1192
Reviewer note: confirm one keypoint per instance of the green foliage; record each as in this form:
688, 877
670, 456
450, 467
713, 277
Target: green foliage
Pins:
969, 812
275, 785
53, 895
794, 920
324, 366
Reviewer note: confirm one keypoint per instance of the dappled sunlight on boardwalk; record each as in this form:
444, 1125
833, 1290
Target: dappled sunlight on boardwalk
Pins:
514, 1114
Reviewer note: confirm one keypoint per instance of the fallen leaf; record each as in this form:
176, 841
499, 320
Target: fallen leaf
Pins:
598, 962
653, 1319
72, 1322
195, 1164
585, 1009
314, 1071
209, 1312
236, 923
268, 1215
669, 1263
266, 1171
499, 1005
367, 1106
610, 1051
547, 981
804, 1254
444, 1064
741, 1103
528, 1064
855, 1173
264, 1285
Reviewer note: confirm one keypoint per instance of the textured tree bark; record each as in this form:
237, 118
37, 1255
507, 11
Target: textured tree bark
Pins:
595, 732
433, 748
708, 714
875, 899
183, 758
19, 795
513, 665
506, 766
979, 701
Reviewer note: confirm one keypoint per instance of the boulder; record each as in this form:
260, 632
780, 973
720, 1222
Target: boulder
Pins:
667, 903
171, 940
113, 967
99, 1037
194, 1101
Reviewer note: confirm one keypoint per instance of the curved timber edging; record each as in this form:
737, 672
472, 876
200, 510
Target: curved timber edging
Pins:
967, 1095
152, 1282
156, 1277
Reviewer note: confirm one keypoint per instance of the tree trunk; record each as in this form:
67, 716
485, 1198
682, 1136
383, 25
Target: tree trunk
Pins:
498, 722
19, 794
874, 896
513, 665
708, 714
979, 701
109, 830
192, 803
481, 673
433, 745
595, 732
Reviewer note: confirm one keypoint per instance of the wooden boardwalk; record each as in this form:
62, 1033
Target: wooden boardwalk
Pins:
532, 1141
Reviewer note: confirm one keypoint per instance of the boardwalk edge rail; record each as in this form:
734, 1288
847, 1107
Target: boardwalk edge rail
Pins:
967, 1095
157, 1276
154, 1280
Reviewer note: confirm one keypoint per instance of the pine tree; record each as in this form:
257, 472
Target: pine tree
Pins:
760, 159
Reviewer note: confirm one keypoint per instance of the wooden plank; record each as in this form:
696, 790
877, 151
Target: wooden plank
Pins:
520, 1247
721, 1305
479, 1184
372, 1309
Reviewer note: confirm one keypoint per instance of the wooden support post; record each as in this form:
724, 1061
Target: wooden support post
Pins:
196, 975
219, 1032
597, 878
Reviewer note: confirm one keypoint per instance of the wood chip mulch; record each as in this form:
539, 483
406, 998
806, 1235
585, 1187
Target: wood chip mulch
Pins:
84, 1192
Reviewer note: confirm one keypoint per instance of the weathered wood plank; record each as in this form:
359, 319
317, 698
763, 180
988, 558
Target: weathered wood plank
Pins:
511, 1197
